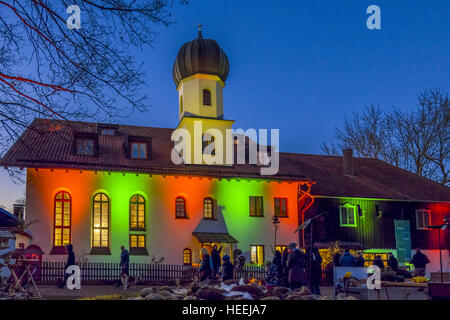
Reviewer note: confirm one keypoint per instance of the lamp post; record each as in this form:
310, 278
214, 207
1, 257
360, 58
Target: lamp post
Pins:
275, 222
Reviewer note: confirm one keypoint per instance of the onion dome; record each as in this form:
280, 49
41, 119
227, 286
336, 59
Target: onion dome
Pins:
200, 56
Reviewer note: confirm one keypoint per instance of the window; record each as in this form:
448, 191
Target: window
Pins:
137, 241
256, 206
108, 132
181, 105
347, 216
180, 207
62, 223
257, 254
187, 256
280, 207
206, 97
423, 219
137, 212
85, 147
139, 150
208, 208
206, 141
100, 230
280, 248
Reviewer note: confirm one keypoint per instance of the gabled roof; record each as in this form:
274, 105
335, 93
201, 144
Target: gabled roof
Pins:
8, 219
49, 143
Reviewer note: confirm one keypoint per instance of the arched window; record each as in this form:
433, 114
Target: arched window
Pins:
62, 223
206, 97
208, 208
137, 212
100, 225
180, 207
187, 256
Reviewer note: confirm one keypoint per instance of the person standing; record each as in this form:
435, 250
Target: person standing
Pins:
285, 270
296, 265
359, 260
347, 260
316, 271
337, 259
378, 262
216, 261
124, 264
70, 262
277, 261
420, 262
205, 268
227, 268
392, 262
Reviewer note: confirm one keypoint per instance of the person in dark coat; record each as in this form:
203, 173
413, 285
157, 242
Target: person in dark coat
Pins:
420, 262
285, 270
216, 261
227, 268
277, 261
378, 262
392, 262
205, 268
337, 259
316, 271
70, 262
347, 260
296, 265
271, 274
124, 264
359, 260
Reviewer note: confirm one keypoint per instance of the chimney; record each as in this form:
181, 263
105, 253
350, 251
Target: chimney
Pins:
19, 210
347, 159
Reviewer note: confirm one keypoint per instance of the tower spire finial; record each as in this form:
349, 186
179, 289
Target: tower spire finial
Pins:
200, 30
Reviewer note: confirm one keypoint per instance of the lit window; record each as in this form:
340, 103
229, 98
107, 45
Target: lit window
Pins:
206, 141
280, 248
347, 215
423, 219
187, 256
139, 150
256, 206
137, 241
137, 212
206, 97
100, 230
208, 208
180, 207
257, 254
62, 223
280, 207
85, 147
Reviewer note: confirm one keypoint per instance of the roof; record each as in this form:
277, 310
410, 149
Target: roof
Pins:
7, 219
48, 144
200, 56
214, 237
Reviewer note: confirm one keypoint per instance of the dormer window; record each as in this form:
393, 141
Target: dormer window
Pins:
139, 150
85, 147
108, 132
206, 97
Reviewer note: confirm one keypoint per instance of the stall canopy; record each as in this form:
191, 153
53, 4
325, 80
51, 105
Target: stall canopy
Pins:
213, 230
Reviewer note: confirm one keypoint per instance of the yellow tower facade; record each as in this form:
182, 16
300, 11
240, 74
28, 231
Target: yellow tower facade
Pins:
200, 71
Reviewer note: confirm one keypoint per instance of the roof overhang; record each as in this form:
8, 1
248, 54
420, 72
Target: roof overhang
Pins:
210, 237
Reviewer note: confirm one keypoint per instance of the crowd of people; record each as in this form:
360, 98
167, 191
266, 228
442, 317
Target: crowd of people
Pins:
291, 268
419, 261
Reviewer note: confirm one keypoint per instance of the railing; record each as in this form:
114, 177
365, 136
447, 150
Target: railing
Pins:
98, 273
